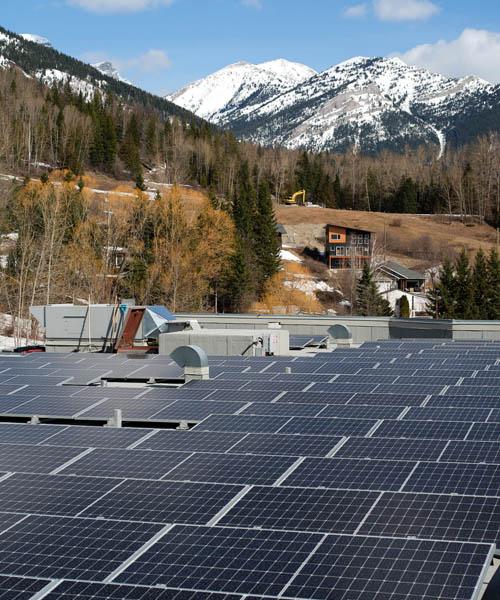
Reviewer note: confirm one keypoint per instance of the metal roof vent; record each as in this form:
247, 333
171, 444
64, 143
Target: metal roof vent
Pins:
193, 360
341, 334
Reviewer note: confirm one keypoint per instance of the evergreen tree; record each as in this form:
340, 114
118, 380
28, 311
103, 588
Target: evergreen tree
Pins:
267, 248
441, 299
481, 286
404, 308
369, 302
237, 285
139, 183
465, 307
493, 297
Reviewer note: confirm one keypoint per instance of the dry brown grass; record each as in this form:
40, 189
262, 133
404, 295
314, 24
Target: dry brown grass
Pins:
405, 243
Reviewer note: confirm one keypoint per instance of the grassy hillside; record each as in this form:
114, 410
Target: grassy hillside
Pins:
415, 241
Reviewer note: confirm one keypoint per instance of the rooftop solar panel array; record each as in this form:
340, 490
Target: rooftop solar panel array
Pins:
362, 474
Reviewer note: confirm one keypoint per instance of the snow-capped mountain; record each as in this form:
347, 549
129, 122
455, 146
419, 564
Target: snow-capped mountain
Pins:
106, 67
43, 62
239, 88
38, 39
371, 102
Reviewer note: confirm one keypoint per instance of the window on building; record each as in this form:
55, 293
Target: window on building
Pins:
360, 238
340, 250
335, 236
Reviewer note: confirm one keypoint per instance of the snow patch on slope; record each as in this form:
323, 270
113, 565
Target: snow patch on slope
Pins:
38, 39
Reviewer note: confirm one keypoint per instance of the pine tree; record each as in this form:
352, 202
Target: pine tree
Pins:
493, 297
441, 298
370, 303
404, 308
465, 307
480, 285
267, 248
237, 285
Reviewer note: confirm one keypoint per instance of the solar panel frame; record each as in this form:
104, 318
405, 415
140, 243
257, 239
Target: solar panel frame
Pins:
68, 547
350, 474
363, 568
236, 469
285, 445
163, 501
130, 464
300, 509
435, 516
260, 562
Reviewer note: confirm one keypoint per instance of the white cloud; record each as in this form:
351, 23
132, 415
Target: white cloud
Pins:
405, 10
252, 4
355, 12
152, 61
118, 6
475, 52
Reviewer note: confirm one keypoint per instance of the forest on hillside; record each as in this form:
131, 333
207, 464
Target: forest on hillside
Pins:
58, 128
223, 256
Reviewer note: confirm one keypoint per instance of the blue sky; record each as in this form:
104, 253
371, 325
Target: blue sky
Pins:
161, 45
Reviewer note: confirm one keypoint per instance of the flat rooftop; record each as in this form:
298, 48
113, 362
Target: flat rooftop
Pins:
367, 472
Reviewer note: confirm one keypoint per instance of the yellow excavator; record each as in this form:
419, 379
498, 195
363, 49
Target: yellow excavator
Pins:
294, 199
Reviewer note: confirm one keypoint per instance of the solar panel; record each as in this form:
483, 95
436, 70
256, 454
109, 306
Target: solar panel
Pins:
472, 452
191, 441
163, 501
214, 384
53, 406
388, 399
9, 519
437, 430
363, 568
375, 378
180, 393
140, 408
316, 398
195, 410
339, 511
99, 392
485, 402
318, 426
96, 437
285, 445
242, 396
307, 377
347, 473
34, 459
362, 412
447, 414
100, 591
278, 386
298, 342
247, 424
435, 516
51, 494
59, 547
20, 588
484, 432
283, 409
22, 433
232, 468
257, 562
139, 464
455, 478
343, 388
391, 448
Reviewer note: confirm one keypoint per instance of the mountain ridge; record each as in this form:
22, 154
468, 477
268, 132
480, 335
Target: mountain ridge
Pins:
373, 103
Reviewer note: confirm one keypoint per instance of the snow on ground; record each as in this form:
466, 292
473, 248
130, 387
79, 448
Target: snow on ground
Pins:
7, 343
286, 255
309, 286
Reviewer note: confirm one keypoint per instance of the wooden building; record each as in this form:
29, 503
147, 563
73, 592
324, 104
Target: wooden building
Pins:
346, 247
